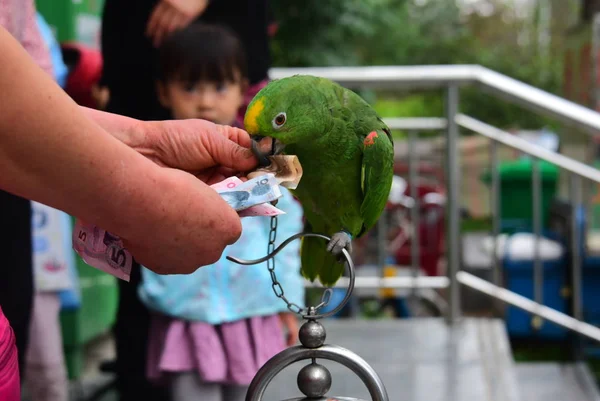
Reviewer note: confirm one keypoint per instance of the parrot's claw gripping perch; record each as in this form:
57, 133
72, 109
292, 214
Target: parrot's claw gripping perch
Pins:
340, 240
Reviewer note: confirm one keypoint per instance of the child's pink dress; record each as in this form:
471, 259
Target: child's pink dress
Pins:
9, 367
229, 353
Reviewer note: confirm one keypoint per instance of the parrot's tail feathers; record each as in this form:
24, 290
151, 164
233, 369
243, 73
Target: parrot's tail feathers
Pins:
310, 257
317, 262
331, 271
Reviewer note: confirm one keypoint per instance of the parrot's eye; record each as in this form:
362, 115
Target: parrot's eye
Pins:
279, 120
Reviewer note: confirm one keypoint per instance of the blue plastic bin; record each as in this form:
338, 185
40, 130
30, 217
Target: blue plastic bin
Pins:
519, 278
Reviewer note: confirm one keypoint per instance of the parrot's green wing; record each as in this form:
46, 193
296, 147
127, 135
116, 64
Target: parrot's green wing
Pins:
377, 174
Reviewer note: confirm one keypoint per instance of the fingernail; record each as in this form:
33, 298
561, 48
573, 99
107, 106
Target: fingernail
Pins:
248, 153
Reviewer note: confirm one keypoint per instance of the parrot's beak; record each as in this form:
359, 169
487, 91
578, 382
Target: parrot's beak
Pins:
261, 156
262, 147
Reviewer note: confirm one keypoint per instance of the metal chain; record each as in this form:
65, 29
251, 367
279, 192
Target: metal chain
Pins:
277, 288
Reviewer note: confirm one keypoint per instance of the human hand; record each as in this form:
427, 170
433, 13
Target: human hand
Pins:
170, 15
290, 322
211, 152
178, 223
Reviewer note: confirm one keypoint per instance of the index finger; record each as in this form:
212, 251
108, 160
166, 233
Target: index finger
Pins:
236, 135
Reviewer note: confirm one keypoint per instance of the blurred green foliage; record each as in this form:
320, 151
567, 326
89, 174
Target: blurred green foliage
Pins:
421, 32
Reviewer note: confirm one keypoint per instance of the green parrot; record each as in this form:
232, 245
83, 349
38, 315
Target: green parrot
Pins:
347, 157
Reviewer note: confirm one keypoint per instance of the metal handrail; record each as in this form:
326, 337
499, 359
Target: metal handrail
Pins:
438, 76
496, 134
521, 144
417, 123
438, 282
530, 306
392, 77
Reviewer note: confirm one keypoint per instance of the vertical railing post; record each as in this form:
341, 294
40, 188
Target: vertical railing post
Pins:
382, 241
453, 242
415, 241
538, 267
576, 248
495, 207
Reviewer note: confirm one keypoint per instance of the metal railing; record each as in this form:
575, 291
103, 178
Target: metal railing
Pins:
452, 78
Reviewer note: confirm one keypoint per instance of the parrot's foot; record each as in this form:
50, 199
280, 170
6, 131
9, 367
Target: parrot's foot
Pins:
339, 241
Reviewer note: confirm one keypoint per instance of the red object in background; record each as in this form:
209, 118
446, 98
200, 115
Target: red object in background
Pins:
430, 171
272, 29
85, 69
431, 217
431, 231
431, 223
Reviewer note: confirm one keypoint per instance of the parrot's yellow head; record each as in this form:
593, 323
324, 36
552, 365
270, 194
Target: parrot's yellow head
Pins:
290, 111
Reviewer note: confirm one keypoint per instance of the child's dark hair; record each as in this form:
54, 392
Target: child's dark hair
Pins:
202, 52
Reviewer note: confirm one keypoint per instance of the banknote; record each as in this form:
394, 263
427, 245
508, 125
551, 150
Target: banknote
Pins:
265, 209
287, 170
259, 190
228, 183
261, 210
102, 250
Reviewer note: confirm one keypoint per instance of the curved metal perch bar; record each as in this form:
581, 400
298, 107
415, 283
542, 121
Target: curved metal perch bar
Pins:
349, 263
331, 352
280, 247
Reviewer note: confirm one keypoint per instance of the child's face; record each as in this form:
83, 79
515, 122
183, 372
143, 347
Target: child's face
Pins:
210, 101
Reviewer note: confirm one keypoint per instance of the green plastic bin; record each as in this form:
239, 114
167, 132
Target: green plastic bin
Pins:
516, 192
99, 299
73, 21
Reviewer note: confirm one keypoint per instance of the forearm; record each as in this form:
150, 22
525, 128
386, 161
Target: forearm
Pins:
127, 130
52, 153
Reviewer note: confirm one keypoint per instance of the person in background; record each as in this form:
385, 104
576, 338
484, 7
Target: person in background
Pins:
85, 72
60, 71
131, 33
208, 345
16, 271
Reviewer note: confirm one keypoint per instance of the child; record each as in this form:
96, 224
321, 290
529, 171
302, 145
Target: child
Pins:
202, 74
213, 329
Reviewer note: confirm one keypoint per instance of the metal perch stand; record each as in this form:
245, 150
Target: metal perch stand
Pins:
314, 380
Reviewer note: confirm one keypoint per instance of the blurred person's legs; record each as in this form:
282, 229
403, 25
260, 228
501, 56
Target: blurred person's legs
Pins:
131, 338
233, 392
46, 370
16, 271
187, 386
127, 56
